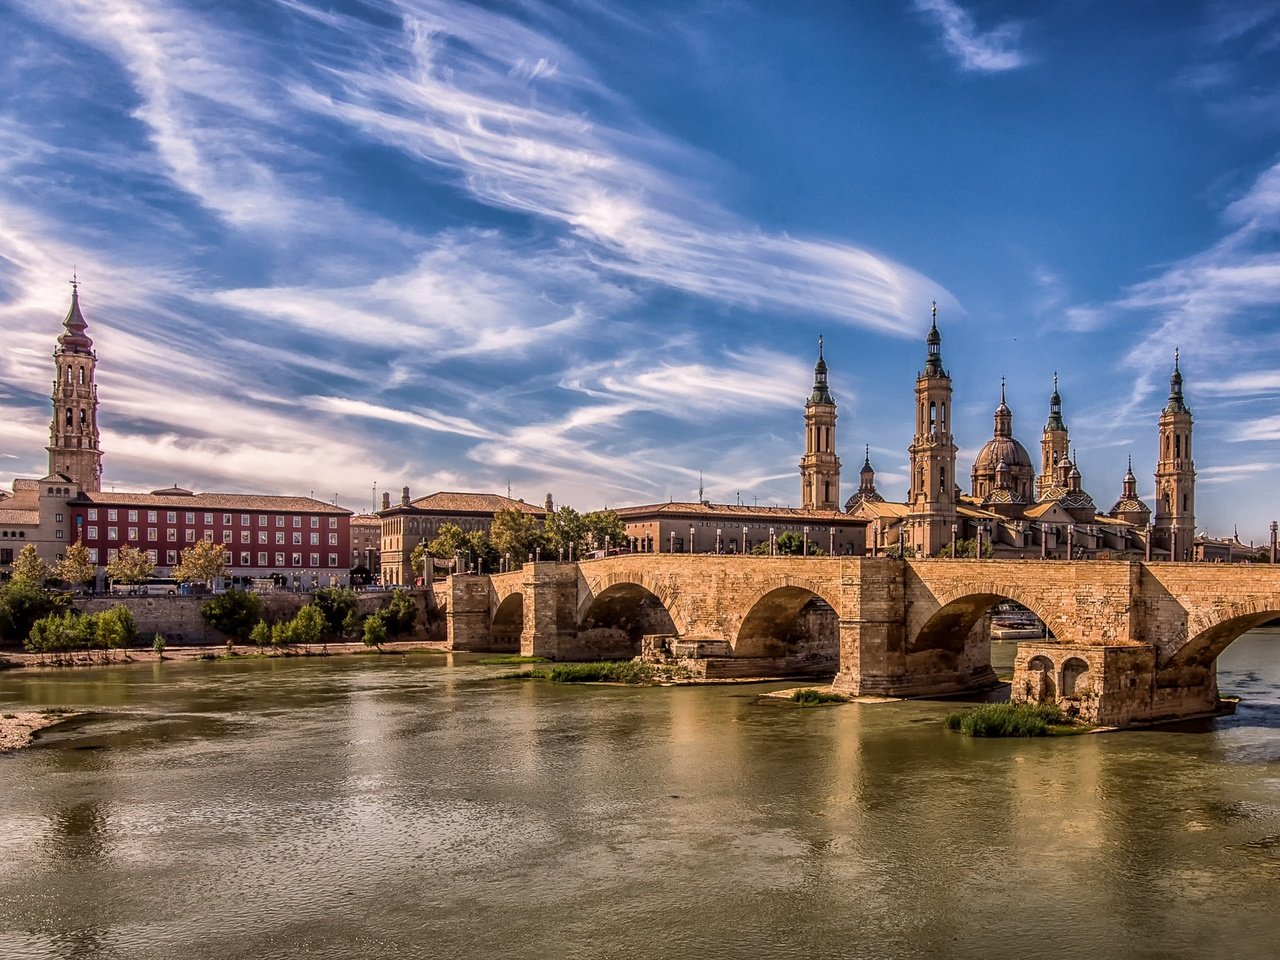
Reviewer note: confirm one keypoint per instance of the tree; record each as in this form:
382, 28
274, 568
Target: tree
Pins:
202, 562
30, 568
307, 626
129, 565
375, 631
566, 532
233, 613
116, 628
448, 541
335, 603
478, 548
399, 614
968, 549
260, 635
75, 567
516, 534
22, 603
606, 523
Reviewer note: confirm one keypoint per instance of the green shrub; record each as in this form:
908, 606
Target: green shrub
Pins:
375, 631
22, 603
336, 603
605, 671
260, 635
1008, 720
158, 645
511, 659
233, 613
809, 697
400, 613
307, 626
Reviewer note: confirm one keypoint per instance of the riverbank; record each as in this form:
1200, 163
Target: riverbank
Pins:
19, 659
18, 729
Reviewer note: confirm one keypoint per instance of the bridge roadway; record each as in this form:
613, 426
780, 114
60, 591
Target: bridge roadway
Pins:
1130, 642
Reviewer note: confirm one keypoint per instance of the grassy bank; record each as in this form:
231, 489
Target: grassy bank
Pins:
809, 697
1011, 720
605, 671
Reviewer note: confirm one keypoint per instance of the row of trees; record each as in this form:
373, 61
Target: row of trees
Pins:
201, 562
331, 614
516, 535
65, 633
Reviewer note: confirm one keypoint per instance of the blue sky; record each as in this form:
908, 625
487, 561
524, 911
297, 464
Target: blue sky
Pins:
588, 247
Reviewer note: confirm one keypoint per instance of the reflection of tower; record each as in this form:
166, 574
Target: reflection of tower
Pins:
73, 435
1054, 444
1175, 514
931, 501
820, 467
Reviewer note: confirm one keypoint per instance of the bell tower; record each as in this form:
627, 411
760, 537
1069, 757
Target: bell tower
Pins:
73, 435
1054, 444
820, 467
1175, 514
931, 501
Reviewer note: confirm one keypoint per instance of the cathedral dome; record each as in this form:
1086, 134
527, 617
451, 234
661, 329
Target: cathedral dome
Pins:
996, 449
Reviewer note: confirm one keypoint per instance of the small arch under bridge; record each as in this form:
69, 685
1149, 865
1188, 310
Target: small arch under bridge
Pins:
1137, 641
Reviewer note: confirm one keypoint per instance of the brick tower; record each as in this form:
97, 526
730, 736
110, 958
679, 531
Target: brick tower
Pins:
931, 502
73, 435
820, 467
1175, 514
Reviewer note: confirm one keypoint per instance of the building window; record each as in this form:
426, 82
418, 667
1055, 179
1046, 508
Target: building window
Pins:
93, 514
133, 516
262, 520
191, 518
151, 516
297, 521
333, 539
57, 518
279, 538
333, 559
315, 559
57, 534
333, 523
208, 536
244, 558
6, 555
113, 533
171, 516
152, 557
111, 553
297, 539
297, 559
244, 519
246, 536
171, 535
279, 559
262, 536
93, 533
170, 557
190, 536
315, 522
226, 519
93, 554
279, 521
111, 515
315, 539
262, 559
226, 536
133, 534
152, 534
208, 518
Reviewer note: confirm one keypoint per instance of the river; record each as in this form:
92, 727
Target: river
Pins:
394, 806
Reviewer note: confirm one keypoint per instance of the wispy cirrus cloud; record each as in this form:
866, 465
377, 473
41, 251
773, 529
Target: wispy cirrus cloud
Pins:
990, 51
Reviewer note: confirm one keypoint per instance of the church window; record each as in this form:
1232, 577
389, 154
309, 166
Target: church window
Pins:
82, 375
933, 416
1185, 503
826, 490
1177, 446
69, 416
942, 421
920, 480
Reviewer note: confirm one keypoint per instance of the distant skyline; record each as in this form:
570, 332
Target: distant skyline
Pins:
588, 247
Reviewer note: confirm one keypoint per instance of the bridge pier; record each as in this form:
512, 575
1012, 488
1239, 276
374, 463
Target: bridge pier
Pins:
550, 610
468, 614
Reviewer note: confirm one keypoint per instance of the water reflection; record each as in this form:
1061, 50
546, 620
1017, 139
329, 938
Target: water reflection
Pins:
418, 806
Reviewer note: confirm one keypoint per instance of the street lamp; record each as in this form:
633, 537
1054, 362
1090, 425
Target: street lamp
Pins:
1274, 526
954, 530
606, 546
978, 552
719, 530
773, 542
744, 541
831, 542
671, 542
691, 539
804, 548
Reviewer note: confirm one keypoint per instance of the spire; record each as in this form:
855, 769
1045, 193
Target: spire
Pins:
1176, 404
866, 463
933, 363
75, 339
1055, 421
821, 393
1003, 416
1130, 486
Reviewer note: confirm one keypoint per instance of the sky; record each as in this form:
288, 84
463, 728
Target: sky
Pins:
588, 247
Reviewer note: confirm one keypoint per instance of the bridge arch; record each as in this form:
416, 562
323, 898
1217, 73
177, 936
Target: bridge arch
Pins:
950, 638
1210, 633
508, 622
614, 617
790, 620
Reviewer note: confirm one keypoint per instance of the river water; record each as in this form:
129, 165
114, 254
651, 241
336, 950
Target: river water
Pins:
419, 807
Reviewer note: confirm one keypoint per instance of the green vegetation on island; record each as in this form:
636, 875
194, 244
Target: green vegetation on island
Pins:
1011, 720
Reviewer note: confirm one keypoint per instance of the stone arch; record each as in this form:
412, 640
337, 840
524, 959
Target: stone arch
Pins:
790, 620
954, 639
1075, 676
508, 622
613, 620
590, 589
1212, 632
1039, 680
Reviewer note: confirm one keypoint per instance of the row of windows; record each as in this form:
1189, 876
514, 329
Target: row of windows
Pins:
171, 516
171, 535
246, 558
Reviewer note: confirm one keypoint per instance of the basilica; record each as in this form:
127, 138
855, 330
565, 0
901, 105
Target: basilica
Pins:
1014, 507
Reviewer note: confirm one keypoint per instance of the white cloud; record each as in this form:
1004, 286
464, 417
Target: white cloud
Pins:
990, 52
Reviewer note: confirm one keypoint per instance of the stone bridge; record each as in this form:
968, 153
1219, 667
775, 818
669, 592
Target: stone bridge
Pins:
1128, 641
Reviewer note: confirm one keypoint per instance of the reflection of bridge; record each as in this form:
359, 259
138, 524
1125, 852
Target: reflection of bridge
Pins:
1133, 641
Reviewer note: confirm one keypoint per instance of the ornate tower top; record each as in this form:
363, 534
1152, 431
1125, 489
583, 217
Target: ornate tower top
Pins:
933, 362
1055, 421
75, 340
1130, 486
1176, 404
1003, 416
867, 469
821, 392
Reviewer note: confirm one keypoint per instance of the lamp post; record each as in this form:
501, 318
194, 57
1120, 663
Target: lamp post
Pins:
875, 538
804, 547
537, 553
902, 541
1071, 542
831, 542
1274, 525
671, 542
744, 541
773, 543
978, 551
507, 564
719, 530
1151, 535
1173, 542
691, 539
955, 529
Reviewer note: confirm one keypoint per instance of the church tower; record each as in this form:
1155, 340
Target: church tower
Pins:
73, 435
931, 502
1175, 515
1054, 444
820, 467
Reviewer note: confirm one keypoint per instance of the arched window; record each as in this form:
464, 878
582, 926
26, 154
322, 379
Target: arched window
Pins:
82, 375
826, 490
942, 422
69, 416
83, 421
1177, 446
933, 416
920, 480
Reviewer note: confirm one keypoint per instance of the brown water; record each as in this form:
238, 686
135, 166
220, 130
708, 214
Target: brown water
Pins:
417, 807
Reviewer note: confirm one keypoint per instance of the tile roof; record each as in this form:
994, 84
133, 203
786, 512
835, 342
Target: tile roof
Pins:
454, 502
213, 502
19, 518
736, 511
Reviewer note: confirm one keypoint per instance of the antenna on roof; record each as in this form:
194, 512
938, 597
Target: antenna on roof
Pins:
508, 486
375, 496
700, 496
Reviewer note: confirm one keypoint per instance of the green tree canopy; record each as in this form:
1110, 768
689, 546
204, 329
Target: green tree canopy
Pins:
75, 567
30, 568
515, 533
129, 565
202, 562
448, 541
605, 523
234, 613
335, 603
566, 530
